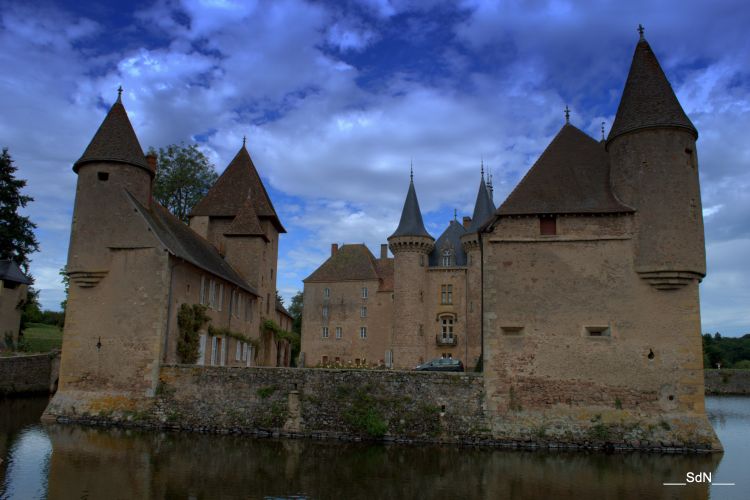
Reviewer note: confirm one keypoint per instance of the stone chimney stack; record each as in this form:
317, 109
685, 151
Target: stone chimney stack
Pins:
467, 222
334, 248
384, 251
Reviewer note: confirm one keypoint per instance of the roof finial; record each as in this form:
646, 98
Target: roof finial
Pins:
567, 114
482, 168
411, 170
244, 140
119, 93
641, 29
455, 214
603, 130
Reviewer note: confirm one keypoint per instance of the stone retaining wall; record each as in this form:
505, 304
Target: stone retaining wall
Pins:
727, 381
29, 374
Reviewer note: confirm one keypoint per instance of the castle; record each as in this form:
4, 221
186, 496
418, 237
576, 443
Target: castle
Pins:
132, 265
577, 297
581, 287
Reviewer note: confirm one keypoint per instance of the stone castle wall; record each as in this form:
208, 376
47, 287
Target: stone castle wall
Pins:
29, 374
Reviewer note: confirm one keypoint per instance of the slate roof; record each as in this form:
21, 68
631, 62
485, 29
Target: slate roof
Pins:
246, 223
10, 271
451, 238
570, 177
353, 262
115, 141
648, 99
484, 207
186, 244
227, 197
411, 223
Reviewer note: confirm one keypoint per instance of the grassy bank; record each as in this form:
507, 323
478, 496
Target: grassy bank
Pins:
39, 337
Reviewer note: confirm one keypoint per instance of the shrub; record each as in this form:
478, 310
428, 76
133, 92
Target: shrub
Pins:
190, 319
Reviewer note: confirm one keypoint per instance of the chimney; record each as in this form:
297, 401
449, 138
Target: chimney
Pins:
334, 248
384, 251
467, 222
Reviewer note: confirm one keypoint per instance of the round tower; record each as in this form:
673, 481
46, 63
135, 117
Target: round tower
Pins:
654, 169
411, 245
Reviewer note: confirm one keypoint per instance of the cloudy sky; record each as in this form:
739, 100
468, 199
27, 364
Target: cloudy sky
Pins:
336, 98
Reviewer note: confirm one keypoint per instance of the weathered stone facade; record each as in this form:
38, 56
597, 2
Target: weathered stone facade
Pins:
35, 373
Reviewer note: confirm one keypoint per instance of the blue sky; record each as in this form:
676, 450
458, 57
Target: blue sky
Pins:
336, 98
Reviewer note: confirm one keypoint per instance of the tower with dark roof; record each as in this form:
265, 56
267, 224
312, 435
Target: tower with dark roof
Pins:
655, 171
411, 245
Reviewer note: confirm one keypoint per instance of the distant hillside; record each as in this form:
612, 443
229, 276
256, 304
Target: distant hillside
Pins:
729, 352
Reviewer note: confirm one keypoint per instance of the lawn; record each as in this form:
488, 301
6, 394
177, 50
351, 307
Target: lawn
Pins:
39, 337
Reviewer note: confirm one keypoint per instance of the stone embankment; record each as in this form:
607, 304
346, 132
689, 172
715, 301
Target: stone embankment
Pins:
29, 374
727, 382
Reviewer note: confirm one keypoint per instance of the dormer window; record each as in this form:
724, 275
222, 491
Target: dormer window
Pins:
447, 257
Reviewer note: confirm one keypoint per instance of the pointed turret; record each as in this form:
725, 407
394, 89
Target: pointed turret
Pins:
115, 141
648, 100
411, 223
484, 208
227, 197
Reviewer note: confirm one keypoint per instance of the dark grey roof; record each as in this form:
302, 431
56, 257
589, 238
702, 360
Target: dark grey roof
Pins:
648, 99
9, 271
484, 208
183, 242
570, 177
280, 308
411, 223
115, 141
450, 239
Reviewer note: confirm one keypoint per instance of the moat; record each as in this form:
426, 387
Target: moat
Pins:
57, 461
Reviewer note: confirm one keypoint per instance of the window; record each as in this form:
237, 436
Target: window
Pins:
221, 296
364, 292
446, 294
268, 303
202, 291
202, 350
325, 332
102, 176
446, 327
512, 330
325, 359
212, 294
598, 331
326, 292
239, 305
338, 332
363, 332
447, 257
248, 308
421, 260
547, 225
244, 351
325, 312
363, 312
271, 274
389, 359
238, 351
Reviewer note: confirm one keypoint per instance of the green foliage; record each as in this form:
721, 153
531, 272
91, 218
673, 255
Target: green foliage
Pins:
742, 365
226, 332
190, 319
66, 286
17, 240
31, 311
266, 392
363, 416
293, 338
725, 351
296, 311
183, 177
39, 337
618, 404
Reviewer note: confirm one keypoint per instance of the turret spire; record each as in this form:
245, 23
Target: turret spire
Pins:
411, 223
641, 29
567, 114
483, 207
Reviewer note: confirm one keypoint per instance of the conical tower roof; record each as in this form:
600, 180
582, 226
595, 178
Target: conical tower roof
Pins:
227, 197
115, 141
411, 223
648, 99
484, 208
570, 177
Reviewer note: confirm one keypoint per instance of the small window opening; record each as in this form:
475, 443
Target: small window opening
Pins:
650, 354
547, 225
102, 176
442, 408
598, 331
671, 397
512, 330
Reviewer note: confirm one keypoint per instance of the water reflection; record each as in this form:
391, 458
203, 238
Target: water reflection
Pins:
80, 462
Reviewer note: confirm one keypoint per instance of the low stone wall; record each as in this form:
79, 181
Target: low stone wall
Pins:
727, 381
29, 374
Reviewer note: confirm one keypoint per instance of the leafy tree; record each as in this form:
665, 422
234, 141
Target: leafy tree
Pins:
279, 298
66, 285
183, 177
17, 240
296, 311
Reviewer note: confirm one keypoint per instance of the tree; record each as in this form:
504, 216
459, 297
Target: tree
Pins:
183, 177
17, 240
66, 286
296, 311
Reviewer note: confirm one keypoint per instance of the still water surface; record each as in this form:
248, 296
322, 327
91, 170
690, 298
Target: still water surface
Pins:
78, 462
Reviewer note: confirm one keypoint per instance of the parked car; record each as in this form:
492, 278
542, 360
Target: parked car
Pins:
442, 365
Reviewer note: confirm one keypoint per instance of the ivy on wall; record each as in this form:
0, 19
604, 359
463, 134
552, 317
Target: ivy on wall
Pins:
190, 319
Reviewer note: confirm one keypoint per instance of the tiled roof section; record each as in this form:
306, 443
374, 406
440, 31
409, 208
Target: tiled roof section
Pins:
411, 223
648, 99
280, 308
571, 176
450, 239
228, 195
349, 263
115, 141
484, 208
246, 223
186, 244
9, 271
385, 272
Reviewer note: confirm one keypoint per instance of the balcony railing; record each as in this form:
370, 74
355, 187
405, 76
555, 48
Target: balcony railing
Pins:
441, 341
